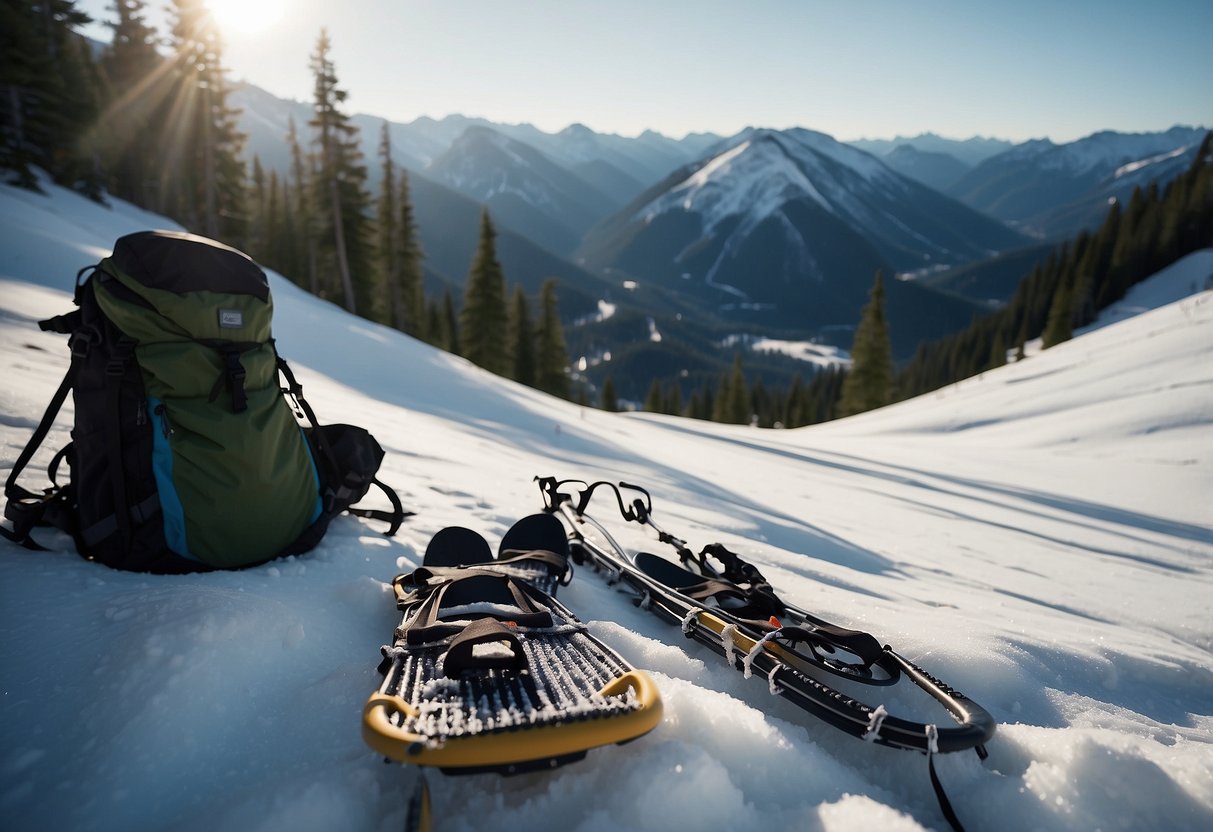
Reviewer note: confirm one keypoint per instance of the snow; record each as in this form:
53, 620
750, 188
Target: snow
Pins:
1134, 167
820, 355
1040, 537
606, 311
753, 179
1108, 150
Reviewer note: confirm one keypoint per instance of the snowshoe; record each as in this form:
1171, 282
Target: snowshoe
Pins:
489, 672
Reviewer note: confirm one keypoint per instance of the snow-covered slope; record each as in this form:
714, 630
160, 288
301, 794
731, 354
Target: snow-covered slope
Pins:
1039, 537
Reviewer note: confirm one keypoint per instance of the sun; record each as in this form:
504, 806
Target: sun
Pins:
246, 16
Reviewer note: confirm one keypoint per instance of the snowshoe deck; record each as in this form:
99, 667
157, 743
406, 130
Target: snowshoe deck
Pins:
489, 672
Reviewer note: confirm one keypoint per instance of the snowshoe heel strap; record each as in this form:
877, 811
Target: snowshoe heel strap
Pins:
461, 655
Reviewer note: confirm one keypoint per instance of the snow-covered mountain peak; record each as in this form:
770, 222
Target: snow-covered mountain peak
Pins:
754, 178
769, 168
1105, 150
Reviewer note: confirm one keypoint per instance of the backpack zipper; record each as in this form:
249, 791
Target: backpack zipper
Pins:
165, 427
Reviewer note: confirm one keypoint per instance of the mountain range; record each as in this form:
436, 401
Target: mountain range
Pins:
692, 241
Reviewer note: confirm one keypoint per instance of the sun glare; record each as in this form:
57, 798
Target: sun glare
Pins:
246, 16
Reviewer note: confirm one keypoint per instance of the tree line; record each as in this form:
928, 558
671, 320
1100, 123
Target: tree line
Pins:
147, 120
1081, 277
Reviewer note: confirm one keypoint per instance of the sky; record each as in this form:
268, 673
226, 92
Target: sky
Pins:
859, 69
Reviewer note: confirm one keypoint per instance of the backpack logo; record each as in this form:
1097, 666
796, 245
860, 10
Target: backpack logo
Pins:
231, 319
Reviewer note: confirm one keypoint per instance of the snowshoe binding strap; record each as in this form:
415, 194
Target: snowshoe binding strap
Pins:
558, 564
829, 637
462, 656
756, 605
475, 594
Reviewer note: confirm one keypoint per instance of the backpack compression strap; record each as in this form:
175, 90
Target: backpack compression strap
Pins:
329, 461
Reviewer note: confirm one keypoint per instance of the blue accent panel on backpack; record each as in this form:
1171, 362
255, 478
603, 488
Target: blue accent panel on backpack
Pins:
162, 470
316, 477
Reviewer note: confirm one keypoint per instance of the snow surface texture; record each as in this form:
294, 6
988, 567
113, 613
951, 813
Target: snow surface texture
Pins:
1040, 537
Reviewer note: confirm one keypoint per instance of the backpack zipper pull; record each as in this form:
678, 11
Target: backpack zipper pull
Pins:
165, 427
141, 415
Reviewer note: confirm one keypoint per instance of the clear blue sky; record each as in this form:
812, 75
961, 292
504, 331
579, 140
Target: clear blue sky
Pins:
866, 68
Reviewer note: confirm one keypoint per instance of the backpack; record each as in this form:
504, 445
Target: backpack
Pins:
187, 454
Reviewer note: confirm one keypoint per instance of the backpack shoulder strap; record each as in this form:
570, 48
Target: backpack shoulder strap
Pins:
24, 508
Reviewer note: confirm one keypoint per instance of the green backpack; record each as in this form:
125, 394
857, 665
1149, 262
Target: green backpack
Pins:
185, 454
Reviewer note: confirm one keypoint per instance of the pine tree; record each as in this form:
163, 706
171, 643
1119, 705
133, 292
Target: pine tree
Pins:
739, 407
522, 340
136, 83
1059, 328
303, 246
257, 201
399, 251
203, 178
673, 400
436, 330
609, 401
483, 321
341, 202
277, 230
869, 384
49, 96
411, 255
998, 352
454, 340
552, 355
654, 400
732, 402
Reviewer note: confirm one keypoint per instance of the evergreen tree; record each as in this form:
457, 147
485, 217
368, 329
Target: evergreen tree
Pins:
869, 384
203, 176
303, 245
998, 352
275, 223
399, 251
257, 197
1059, 328
739, 407
454, 341
411, 255
48, 96
436, 330
732, 404
341, 201
552, 355
483, 322
794, 406
137, 82
609, 401
654, 400
522, 340
673, 400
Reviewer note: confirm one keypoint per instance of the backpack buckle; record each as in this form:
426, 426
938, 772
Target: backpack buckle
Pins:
82, 340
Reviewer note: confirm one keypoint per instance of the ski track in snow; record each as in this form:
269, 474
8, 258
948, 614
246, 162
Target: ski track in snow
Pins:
1040, 537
